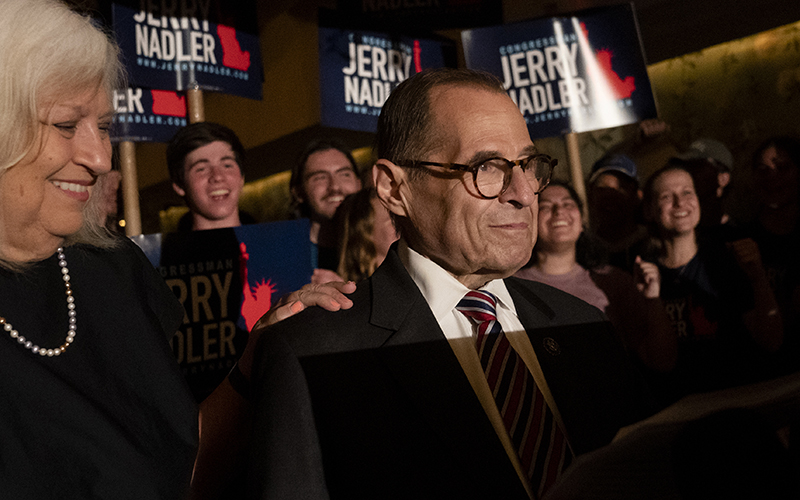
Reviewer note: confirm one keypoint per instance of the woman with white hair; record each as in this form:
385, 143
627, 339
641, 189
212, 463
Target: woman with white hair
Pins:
93, 404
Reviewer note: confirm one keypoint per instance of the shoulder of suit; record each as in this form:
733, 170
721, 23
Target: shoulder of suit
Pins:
563, 306
319, 331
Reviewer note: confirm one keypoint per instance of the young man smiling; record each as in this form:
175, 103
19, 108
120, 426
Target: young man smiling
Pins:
204, 161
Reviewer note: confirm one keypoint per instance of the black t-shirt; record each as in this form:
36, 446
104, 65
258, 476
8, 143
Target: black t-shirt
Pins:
780, 255
111, 417
705, 301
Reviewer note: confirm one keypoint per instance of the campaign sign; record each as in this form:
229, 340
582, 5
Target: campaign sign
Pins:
172, 48
226, 280
358, 70
147, 115
569, 74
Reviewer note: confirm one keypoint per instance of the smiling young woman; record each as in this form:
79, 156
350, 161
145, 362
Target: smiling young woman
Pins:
721, 308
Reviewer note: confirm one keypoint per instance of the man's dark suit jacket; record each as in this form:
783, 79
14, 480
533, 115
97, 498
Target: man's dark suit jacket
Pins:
371, 402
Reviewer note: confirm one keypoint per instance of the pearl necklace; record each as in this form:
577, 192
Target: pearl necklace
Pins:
27, 344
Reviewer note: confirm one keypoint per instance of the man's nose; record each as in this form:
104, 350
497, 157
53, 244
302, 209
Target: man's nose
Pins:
334, 183
521, 191
215, 172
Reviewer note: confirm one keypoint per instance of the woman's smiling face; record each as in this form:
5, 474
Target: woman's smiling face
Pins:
559, 218
676, 208
43, 196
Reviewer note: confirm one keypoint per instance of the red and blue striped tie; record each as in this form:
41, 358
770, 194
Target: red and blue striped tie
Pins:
541, 444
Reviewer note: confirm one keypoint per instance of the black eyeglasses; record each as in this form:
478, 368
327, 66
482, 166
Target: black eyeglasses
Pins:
493, 176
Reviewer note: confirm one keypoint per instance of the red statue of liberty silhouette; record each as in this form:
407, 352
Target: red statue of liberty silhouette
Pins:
256, 299
622, 89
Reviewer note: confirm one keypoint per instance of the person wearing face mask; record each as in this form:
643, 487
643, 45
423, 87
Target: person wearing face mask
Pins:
564, 257
614, 203
721, 308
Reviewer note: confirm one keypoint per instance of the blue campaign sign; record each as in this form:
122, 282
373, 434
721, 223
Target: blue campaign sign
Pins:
226, 279
147, 115
569, 74
174, 49
358, 70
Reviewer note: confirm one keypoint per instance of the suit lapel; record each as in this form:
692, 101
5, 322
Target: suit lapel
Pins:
420, 358
531, 309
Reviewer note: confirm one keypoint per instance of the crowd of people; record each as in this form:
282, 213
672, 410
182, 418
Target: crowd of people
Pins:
470, 331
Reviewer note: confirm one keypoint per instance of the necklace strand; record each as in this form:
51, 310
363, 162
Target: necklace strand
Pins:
27, 344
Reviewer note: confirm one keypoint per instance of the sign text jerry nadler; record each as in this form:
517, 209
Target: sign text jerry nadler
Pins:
568, 74
172, 44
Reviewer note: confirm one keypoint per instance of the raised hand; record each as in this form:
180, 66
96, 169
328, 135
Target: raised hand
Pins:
647, 278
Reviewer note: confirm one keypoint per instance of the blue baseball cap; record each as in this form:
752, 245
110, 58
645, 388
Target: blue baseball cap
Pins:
614, 163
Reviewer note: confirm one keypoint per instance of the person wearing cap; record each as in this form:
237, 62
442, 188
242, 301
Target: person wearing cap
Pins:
614, 209
716, 153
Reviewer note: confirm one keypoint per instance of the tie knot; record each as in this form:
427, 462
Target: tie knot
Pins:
478, 305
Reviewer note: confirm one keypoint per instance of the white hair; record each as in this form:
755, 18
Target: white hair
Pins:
49, 52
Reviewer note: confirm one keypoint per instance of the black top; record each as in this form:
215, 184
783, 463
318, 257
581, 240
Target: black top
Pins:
112, 416
706, 301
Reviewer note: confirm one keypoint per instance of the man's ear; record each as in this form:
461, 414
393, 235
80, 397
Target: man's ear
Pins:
391, 185
723, 179
296, 195
178, 190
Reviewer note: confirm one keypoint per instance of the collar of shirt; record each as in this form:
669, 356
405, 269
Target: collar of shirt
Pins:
442, 292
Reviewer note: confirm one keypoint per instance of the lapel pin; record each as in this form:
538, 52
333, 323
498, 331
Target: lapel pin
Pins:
551, 346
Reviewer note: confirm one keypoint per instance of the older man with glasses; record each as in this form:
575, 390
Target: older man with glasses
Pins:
447, 378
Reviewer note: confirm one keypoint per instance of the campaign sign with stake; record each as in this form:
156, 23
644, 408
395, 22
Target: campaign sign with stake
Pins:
569, 74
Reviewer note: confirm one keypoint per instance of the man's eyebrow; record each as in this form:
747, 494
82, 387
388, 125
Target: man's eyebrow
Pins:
480, 156
201, 160
309, 175
485, 155
206, 160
